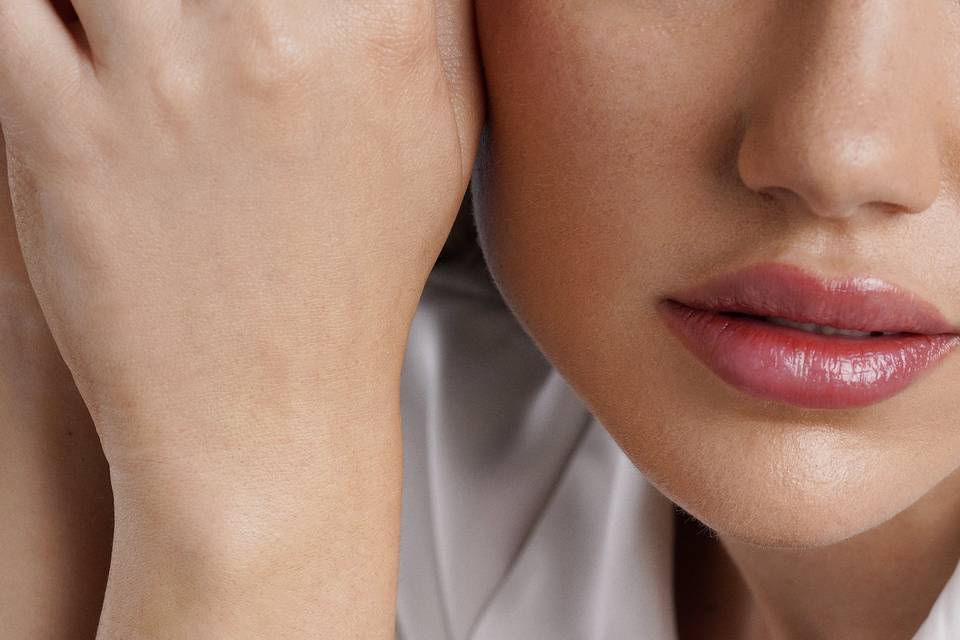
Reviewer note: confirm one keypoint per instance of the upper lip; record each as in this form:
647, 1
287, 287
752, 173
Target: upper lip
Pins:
785, 291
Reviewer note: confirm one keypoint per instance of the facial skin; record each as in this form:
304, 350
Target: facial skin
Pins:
635, 148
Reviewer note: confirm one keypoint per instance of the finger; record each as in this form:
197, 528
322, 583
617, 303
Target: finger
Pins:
37, 55
65, 11
459, 54
118, 28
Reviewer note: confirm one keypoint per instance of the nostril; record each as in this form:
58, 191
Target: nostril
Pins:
820, 163
890, 207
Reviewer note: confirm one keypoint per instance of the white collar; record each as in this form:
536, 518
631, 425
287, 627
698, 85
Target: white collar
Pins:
573, 580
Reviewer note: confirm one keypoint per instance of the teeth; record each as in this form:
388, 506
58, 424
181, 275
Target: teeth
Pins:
824, 329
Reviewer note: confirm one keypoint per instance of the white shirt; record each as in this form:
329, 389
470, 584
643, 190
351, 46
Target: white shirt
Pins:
522, 518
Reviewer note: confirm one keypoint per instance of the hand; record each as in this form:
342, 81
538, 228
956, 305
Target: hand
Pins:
232, 202
228, 211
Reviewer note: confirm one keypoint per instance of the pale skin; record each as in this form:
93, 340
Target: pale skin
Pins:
55, 539
239, 349
175, 236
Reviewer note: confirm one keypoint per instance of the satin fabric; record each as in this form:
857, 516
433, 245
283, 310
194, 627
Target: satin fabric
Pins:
522, 518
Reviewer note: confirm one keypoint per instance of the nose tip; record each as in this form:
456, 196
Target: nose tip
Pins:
839, 170
839, 119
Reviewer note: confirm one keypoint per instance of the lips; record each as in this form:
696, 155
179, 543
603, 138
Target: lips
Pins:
777, 332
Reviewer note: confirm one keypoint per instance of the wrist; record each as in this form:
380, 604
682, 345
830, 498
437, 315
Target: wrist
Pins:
261, 550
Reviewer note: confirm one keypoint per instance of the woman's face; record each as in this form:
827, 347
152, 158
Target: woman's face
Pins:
636, 149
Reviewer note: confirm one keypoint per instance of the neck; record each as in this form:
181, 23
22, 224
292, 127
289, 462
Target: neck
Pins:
879, 584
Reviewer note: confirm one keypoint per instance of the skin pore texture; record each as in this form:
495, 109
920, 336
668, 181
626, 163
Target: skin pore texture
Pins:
633, 148
636, 148
227, 211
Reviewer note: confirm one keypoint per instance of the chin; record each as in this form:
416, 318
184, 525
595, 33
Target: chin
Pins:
773, 485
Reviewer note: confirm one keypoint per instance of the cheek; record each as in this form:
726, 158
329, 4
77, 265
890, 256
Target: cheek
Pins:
604, 154
608, 175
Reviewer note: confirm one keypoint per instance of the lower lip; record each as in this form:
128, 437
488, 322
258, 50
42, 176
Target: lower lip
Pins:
805, 369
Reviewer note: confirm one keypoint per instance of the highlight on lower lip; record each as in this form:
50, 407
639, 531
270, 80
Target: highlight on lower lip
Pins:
805, 369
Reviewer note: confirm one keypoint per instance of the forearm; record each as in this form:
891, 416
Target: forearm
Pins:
56, 531
264, 537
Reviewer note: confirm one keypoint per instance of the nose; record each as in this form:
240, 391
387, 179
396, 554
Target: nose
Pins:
846, 114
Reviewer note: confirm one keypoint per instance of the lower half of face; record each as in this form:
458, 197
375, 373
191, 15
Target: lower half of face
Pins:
638, 149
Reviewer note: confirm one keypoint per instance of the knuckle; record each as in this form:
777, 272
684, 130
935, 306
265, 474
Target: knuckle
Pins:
273, 56
172, 91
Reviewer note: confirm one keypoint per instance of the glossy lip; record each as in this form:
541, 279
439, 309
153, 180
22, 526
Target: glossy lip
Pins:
805, 369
